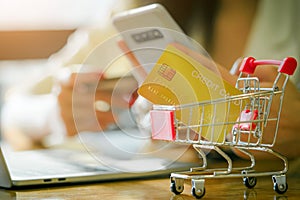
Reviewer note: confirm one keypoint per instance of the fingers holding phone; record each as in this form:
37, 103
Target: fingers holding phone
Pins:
91, 102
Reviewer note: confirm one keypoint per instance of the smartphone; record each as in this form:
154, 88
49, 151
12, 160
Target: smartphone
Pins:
147, 31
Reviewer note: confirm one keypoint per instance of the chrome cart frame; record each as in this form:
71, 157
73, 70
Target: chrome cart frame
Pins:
258, 109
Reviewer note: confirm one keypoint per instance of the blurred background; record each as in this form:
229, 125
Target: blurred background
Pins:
37, 29
39, 37
33, 30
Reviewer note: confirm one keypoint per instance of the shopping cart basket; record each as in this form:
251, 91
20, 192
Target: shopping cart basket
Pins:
244, 133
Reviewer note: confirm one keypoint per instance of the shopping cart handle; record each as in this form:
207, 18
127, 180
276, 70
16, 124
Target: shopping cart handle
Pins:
287, 65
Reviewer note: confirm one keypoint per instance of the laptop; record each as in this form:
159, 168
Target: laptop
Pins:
90, 157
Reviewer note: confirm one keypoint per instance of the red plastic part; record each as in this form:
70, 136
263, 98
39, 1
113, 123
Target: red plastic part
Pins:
162, 125
287, 65
248, 65
247, 115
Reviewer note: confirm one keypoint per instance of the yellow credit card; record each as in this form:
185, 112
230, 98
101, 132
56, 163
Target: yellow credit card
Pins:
178, 79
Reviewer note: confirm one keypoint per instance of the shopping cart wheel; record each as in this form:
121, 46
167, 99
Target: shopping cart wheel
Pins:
280, 184
280, 188
250, 182
198, 189
177, 186
198, 194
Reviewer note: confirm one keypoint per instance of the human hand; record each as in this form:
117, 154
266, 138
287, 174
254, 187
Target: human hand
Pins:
90, 102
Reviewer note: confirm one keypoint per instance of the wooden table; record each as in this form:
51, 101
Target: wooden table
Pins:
158, 188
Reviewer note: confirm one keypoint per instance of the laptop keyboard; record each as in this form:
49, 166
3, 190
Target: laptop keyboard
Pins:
52, 162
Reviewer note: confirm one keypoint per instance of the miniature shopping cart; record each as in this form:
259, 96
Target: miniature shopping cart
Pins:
248, 122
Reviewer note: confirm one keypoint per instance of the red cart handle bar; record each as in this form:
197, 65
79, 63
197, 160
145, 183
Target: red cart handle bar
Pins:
287, 65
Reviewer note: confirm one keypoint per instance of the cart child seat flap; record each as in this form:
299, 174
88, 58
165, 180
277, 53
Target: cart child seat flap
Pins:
162, 125
244, 121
